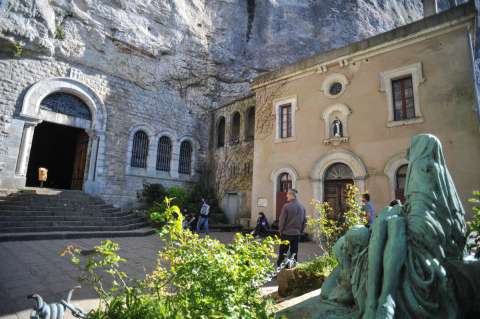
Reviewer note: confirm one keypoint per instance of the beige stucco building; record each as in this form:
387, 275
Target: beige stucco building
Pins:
348, 115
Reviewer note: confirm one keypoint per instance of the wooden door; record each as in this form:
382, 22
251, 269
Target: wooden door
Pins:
281, 200
79, 161
335, 195
284, 183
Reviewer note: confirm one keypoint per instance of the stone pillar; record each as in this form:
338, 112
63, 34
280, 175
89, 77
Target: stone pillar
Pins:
175, 160
25, 147
429, 8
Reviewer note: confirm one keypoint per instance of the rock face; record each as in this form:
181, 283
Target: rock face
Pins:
203, 51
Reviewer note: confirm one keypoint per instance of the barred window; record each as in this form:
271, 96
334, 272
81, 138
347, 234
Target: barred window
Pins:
185, 165
139, 150
285, 119
164, 154
403, 102
250, 124
235, 136
221, 132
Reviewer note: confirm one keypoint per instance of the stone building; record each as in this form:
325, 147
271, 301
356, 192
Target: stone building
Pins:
232, 156
347, 115
92, 131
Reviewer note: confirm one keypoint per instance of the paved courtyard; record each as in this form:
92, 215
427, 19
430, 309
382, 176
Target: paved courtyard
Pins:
28, 267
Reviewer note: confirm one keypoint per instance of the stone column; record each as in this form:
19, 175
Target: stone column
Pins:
25, 147
175, 159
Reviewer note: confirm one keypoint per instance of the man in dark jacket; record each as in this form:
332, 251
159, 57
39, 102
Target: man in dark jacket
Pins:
290, 225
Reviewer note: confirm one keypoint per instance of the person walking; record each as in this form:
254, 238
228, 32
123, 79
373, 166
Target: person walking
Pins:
291, 225
203, 219
368, 208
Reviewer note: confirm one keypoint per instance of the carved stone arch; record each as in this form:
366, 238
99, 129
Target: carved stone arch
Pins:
32, 115
390, 170
340, 111
40, 90
317, 175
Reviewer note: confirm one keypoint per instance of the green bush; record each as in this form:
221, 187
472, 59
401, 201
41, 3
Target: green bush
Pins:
474, 224
151, 193
319, 266
194, 277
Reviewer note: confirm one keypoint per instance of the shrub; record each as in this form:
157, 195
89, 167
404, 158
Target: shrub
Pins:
474, 224
320, 266
327, 229
151, 193
194, 277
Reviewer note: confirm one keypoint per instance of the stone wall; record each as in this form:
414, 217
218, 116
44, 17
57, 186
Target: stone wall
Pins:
231, 163
127, 105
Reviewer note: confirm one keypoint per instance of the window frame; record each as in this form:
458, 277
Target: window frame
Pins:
277, 104
168, 157
386, 85
133, 158
191, 162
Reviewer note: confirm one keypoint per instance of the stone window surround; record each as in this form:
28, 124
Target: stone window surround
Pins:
228, 116
390, 170
33, 115
292, 100
386, 77
344, 111
274, 178
331, 79
154, 137
317, 175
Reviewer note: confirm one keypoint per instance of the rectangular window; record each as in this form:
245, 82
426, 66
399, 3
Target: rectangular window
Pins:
403, 102
285, 120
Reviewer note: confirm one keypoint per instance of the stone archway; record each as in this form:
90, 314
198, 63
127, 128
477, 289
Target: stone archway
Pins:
95, 127
317, 175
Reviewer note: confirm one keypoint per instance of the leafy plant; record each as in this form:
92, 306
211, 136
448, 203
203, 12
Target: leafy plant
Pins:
151, 193
59, 32
326, 228
18, 49
194, 277
474, 224
319, 266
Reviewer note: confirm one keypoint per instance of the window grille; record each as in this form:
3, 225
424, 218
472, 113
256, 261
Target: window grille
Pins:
67, 104
221, 132
284, 182
139, 150
403, 102
250, 127
285, 121
164, 154
185, 165
235, 137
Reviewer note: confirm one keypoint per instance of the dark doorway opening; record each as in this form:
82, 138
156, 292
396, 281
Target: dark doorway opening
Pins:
337, 177
60, 149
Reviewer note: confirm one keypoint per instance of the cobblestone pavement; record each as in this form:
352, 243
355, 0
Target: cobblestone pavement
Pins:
28, 267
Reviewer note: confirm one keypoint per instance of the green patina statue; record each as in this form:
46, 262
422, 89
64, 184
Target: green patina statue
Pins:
401, 267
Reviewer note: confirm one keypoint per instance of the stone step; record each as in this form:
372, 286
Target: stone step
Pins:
139, 232
10, 205
26, 229
106, 213
4, 225
92, 217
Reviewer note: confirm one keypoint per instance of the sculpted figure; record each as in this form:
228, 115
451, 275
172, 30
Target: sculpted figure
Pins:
337, 128
400, 270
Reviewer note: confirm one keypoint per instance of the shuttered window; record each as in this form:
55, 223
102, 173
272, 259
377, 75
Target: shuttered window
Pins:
403, 102
139, 150
164, 154
285, 119
185, 164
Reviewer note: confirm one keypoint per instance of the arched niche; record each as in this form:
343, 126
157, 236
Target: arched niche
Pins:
332, 114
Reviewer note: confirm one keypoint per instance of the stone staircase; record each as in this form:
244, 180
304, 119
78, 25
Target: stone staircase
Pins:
38, 213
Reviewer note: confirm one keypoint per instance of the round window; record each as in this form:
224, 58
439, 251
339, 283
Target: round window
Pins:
335, 88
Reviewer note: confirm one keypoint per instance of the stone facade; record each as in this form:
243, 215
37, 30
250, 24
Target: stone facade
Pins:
118, 107
434, 54
232, 139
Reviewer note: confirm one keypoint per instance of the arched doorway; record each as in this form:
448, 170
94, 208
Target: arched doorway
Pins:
337, 177
284, 183
62, 149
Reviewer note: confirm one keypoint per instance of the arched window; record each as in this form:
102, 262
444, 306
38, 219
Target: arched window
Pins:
235, 132
185, 164
284, 182
139, 150
221, 132
400, 178
164, 154
250, 124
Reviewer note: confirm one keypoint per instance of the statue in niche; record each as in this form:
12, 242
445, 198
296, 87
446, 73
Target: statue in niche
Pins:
337, 128
411, 263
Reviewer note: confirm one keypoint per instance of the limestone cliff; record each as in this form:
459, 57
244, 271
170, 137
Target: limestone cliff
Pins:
203, 51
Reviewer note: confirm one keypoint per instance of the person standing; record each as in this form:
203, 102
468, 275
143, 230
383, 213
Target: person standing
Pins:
291, 225
368, 208
203, 219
